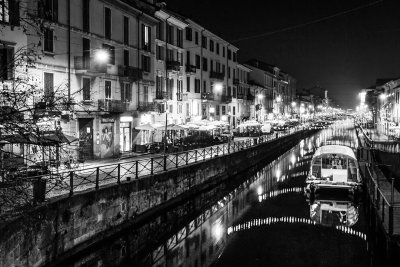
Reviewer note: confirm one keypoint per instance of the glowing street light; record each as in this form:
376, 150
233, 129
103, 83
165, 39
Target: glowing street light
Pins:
101, 56
260, 96
382, 96
278, 99
218, 87
294, 104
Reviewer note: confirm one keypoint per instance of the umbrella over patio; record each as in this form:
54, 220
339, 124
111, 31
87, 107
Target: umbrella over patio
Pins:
146, 127
171, 127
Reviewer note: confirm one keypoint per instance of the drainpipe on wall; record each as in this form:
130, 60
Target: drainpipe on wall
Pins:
227, 80
138, 55
201, 72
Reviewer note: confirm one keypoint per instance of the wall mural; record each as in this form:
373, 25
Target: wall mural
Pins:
107, 141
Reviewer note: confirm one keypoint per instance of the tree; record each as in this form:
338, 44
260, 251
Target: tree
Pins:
31, 107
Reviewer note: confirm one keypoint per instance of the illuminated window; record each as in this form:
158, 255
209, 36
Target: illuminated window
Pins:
146, 37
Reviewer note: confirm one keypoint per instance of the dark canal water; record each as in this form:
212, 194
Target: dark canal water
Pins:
262, 219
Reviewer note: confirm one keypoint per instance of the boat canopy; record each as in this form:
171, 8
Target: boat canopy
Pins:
335, 149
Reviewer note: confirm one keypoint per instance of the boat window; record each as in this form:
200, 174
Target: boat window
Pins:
334, 162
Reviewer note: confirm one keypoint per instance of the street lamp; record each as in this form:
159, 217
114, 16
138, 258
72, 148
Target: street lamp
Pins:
101, 56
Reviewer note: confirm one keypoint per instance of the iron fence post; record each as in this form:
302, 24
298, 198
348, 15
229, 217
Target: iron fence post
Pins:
97, 177
211, 152
137, 169
119, 173
71, 183
165, 162
204, 154
152, 165
195, 155
390, 219
176, 160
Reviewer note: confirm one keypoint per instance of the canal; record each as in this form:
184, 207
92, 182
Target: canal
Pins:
259, 218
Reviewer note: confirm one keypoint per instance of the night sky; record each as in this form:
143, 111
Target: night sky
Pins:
341, 45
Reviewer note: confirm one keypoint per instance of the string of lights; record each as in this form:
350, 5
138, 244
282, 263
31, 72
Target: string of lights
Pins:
305, 23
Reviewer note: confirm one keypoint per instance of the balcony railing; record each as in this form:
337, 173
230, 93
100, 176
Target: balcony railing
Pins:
236, 81
190, 69
226, 98
240, 96
147, 106
162, 95
112, 105
217, 75
131, 73
173, 65
88, 64
207, 96
250, 97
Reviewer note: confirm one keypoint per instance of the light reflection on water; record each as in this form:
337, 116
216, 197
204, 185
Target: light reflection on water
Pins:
248, 207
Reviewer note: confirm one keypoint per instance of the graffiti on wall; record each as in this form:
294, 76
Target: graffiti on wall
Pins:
107, 141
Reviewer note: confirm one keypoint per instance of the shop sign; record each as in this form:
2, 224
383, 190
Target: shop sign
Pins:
107, 120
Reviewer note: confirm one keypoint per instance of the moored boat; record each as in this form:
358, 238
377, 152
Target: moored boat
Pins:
336, 167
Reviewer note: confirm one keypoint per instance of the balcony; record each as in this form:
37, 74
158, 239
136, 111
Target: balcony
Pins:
250, 97
226, 99
174, 66
87, 64
240, 96
112, 105
132, 74
147, 106
207, 96
236, 81
217, 75
190, 69
162, 95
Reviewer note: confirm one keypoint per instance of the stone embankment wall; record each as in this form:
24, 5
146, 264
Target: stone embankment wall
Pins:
65, 226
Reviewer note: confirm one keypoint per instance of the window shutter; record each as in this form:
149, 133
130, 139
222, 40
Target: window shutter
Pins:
40, 9
10, 63
149, 44
55, 10
122, 86
14, 12
143, 43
